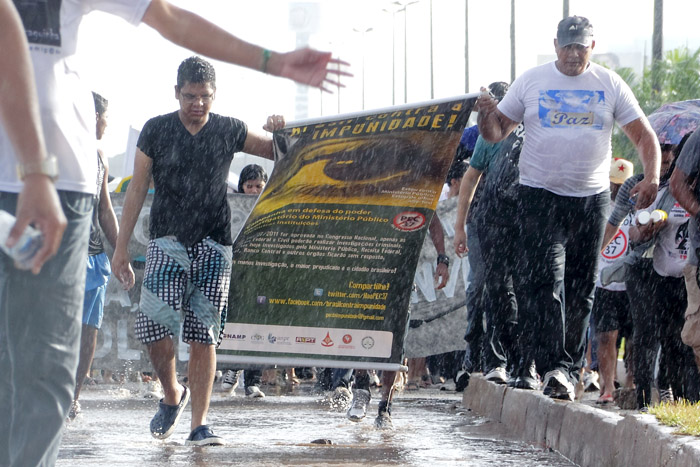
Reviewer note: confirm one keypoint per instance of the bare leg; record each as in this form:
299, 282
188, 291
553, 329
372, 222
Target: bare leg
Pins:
629, 348
417, 368
201, 372
607, 361
269, 376
162, 355
589, 355
388, 380
88, 342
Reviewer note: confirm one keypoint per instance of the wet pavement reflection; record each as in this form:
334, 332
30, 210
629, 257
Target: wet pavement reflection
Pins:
430, 428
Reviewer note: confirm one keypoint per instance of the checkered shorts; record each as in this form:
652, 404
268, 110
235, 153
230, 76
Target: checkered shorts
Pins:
191, 280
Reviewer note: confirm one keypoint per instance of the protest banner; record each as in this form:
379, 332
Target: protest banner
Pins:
438, 317
324, 266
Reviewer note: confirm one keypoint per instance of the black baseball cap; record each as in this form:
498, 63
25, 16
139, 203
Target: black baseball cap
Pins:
574, 30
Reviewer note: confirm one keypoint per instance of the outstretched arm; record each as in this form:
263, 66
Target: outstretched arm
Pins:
19, 113
184, 28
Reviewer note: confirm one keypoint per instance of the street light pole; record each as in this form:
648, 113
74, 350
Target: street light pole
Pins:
432, 85
363, 30
404, 7
393, 9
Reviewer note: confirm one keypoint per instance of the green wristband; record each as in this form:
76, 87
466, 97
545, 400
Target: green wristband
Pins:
265, 58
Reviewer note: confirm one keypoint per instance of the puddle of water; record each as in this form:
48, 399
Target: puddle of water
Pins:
430, 428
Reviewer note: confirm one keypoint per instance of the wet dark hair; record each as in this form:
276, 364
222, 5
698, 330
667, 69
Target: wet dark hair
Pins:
457, 170
676, 153
100, 103
251, 172
498, 89
195, 70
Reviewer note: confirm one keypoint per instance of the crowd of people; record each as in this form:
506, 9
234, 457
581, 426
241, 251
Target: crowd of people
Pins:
533, 216
555, 212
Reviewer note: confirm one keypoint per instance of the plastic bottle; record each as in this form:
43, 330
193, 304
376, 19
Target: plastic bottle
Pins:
643, 217
658, 215
24, 250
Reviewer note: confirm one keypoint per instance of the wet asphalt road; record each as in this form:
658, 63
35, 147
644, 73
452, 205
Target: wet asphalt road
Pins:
430, 428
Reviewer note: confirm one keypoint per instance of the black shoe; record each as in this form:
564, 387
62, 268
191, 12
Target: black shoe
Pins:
526, 382
461, 381
528, 379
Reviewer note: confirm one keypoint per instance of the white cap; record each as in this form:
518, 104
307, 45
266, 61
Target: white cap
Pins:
620, 170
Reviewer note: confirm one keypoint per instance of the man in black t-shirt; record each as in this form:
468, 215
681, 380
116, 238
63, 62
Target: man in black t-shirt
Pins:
188, 262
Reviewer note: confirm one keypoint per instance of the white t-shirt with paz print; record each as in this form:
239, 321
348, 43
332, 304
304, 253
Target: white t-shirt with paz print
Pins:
569, 121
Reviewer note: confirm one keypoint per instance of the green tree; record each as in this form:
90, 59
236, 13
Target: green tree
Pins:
679, 74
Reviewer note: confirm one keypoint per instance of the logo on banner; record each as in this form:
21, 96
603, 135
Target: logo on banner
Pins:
367, 342
347, 338
318, 292
262, 300
271, 339
306, 340
409, 221
257, 338
327, 341
235, 337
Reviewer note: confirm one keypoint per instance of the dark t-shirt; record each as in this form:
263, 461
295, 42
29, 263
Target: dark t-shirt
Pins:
689, 163
189, 175
499, 203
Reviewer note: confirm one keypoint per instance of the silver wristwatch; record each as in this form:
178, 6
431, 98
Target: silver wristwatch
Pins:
48, 167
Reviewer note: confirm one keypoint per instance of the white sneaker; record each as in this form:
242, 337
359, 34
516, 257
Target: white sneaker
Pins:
590, 381
498, 375
557, 386
253, 392
360, 401
230, 380
666, 395
340, 399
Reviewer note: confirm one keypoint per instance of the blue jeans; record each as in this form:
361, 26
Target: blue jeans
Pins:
561, 238
40, 325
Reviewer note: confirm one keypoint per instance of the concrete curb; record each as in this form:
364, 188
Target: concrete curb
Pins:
585, 435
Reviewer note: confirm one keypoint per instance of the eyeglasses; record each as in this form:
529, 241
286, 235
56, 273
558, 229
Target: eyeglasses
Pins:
191, 98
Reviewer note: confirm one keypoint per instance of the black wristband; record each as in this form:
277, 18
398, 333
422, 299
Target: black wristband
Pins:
444, 259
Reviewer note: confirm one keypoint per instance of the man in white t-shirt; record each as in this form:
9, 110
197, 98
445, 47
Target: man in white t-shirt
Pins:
569, 107
40, 313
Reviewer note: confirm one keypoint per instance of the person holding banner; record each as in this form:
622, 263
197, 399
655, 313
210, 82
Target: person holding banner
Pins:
569, 107
188, 261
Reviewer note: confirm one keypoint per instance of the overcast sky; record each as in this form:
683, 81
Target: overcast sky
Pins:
135, 68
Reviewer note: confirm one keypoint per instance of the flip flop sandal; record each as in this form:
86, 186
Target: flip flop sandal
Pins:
165, 420
605, 400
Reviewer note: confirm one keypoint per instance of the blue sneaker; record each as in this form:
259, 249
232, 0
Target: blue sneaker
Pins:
203, 436
165, 420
